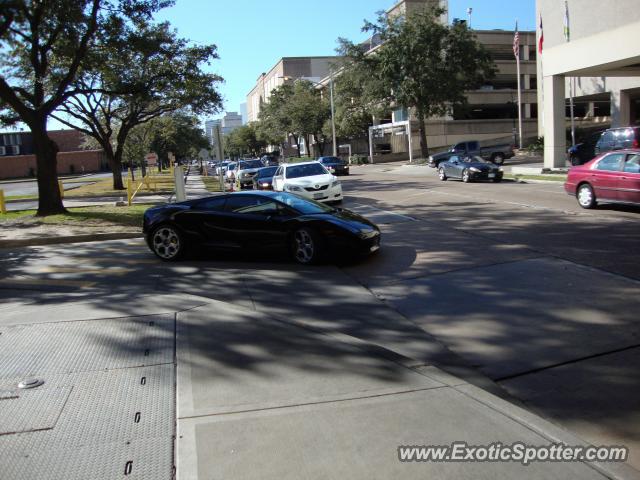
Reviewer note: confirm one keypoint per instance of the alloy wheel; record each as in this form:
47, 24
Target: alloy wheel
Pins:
304, 246
586, 198
166, 243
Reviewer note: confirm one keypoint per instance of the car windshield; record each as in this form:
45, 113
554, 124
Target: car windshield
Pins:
476, 159
302, 205
231, 166
307, 170
267, 172
250, 164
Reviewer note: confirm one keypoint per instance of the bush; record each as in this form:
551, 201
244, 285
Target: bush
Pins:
537, 146
358, 159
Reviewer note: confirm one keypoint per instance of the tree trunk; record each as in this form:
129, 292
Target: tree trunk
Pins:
296, 138
321, 146
49, 199
424, 148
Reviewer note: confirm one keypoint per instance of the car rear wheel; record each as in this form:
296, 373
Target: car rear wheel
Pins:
442, 175
498, 159
466, 176
167, 243
305, 246
586, 197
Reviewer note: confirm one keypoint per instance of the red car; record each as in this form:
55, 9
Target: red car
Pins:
610, 177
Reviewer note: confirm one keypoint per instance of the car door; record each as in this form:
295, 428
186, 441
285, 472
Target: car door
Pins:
450, 166
255, 222
629, 186
207, 220
605, 176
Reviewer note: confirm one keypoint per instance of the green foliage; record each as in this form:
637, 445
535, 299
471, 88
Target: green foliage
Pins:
537, 146
176, 132
422, 64
242, 141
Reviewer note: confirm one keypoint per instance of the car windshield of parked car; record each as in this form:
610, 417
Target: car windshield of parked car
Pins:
250, 164
231, 166
476, 159
308, 170
302, 205
267, 172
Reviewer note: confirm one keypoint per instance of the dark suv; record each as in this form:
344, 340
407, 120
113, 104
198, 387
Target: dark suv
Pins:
620, 138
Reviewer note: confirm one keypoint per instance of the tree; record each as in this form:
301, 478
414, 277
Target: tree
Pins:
43, 45
147, 72
177, 132
423, 64
274, 124
244, 140
308, 112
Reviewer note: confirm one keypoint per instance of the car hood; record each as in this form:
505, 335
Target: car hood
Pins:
310, 181
441, 156
249, 170
349, 220
482, 166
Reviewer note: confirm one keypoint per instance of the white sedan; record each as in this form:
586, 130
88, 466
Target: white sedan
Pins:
310, 180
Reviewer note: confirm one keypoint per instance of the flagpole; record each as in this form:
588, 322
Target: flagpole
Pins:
519, 95
573, 123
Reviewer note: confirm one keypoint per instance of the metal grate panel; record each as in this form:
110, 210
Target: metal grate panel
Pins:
32, 410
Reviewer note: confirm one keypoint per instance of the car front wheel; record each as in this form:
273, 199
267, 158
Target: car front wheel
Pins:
305, 246
466, 176
498, 159
586, 197
442, 175
167, 243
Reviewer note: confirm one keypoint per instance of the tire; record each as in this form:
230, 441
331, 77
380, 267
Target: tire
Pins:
574, 160
306, 247
497, 180
466, 176
585, 196
442, 175
167, 243
498, 158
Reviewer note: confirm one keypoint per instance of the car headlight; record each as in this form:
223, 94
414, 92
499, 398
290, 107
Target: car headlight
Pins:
335, 184
430, 158
474, 169
265, 184
292, 188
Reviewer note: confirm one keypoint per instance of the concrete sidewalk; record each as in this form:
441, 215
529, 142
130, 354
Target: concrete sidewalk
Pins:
257, 396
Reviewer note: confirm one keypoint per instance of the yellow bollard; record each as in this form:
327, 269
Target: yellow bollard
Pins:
61, 187
129, 191
3, 207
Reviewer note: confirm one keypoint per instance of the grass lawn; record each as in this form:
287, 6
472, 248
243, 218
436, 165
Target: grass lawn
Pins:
211, 183
128, 216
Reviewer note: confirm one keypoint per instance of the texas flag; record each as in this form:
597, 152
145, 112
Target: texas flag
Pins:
541, 41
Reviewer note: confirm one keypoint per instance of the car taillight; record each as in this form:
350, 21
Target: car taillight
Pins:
635, 143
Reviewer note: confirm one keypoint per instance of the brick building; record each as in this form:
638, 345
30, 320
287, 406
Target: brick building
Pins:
17, 158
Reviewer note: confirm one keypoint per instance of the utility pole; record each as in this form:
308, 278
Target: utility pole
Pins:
333, 120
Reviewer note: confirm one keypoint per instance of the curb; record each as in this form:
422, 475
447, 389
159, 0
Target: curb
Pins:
93, 237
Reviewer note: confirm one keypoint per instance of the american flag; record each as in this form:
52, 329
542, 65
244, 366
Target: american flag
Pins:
516, 43
541, 41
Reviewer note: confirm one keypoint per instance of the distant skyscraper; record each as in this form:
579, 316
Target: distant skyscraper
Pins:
230, 122
243, 112
209, 125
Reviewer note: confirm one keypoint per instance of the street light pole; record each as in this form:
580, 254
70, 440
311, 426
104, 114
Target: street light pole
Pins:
333, 120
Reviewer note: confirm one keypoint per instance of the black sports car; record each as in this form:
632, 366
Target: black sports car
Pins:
335, 165
469, 169
258, 220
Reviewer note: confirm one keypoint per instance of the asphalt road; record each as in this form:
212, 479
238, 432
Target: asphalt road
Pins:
514, 282
30, 187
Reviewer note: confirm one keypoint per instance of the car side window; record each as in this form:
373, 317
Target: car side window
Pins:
278, 172
611, 162
250, 204
215, 204
632, 165
453, 158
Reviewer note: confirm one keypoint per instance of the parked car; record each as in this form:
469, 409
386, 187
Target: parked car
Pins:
496, 154
335, 165
309, 230
263, 180
610, 177
469, 169
309, 179
581, 153
618, 139
221, 167
245, 171
230, 172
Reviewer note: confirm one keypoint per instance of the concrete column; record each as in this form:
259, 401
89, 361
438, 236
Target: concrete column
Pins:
526, 84
527, 110
555, 144
620, 108
525, 52
591, 110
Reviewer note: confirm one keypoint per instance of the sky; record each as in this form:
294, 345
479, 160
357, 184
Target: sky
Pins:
252, 35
